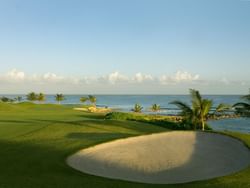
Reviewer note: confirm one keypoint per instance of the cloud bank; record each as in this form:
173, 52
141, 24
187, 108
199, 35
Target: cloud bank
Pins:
17, 81
113, 78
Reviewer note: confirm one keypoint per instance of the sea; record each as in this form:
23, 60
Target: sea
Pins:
127, 102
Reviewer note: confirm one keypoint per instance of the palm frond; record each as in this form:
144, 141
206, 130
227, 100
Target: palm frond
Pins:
206, 107
84, 99
155, 107
185, 109
246, 97
196, 98
242, 105
223, 107
92, 99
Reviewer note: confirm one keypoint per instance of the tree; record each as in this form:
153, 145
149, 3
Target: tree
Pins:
155, 108
137, 108
41, 97
84, 99
32, 96
59, 98
18, 99
243, 108
197, 114
92, 99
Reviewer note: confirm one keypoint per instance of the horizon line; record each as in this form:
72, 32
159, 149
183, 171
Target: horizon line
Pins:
2, 94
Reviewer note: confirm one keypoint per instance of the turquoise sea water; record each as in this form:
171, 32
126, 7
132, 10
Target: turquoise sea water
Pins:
238, 124
126, 103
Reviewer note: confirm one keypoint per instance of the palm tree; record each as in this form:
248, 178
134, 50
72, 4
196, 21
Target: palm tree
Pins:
243, 108
32, 96
18, 99
155, 107
41, 97
197, 114
84, 99
59, 98
137, 108
92, 99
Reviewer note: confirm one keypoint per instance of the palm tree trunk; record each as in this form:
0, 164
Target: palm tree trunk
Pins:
203, 124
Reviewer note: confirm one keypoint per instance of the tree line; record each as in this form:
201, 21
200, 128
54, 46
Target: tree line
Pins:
41, 98
196, 114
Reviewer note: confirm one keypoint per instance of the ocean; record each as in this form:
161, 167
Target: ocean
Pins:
127, 102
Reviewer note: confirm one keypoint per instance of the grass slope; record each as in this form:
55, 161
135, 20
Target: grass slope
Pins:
36, 139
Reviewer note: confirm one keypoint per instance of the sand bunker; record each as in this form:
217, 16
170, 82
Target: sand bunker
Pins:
172, 157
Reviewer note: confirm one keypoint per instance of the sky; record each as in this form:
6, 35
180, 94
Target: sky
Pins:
124, 46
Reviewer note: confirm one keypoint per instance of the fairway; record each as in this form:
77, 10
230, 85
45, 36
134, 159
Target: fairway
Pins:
35, 141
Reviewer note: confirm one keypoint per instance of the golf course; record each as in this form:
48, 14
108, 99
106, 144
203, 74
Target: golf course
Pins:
37, 139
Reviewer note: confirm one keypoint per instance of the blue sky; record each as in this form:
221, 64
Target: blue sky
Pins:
129, 46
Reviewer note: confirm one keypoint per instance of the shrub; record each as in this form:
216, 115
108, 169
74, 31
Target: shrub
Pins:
6, 99
163, 121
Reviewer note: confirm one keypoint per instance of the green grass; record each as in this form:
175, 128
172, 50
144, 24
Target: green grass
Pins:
36, 139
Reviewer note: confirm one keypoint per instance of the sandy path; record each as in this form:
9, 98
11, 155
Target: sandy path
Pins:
172, 157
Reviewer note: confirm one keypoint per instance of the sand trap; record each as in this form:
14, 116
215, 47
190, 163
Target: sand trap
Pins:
172, 157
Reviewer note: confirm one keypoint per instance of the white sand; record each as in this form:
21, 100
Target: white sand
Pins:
172, 157
94, 110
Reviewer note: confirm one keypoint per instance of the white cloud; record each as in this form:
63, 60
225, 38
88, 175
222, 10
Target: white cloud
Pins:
139, 77
113, 78
180, 76
19, 76
15, 75
52, 77
117, 77
225, 81
185, 76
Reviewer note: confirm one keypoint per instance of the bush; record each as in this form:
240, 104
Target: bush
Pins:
168, 122
121, 116
6, 99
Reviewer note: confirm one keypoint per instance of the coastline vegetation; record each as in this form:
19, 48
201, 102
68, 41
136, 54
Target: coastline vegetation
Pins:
32, 96
168, 122
84, 99
91, 98
6, 99
197, 114
137, 108
59, 97
243, 108
155, 108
